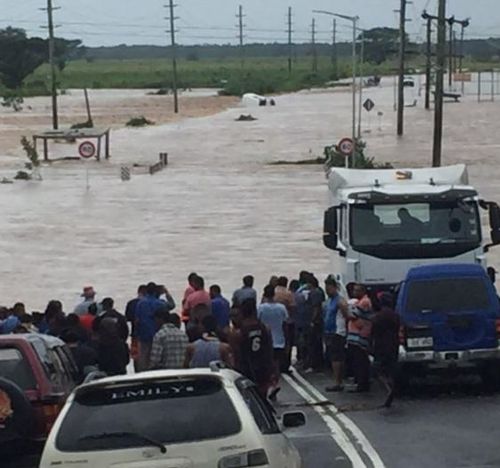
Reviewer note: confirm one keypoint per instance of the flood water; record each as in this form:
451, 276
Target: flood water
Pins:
219, 208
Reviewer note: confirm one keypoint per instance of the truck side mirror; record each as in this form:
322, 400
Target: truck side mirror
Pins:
494, 210
330, 229
495, 237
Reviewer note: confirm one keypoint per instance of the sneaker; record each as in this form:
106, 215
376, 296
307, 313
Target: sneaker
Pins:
359, 389
309, 370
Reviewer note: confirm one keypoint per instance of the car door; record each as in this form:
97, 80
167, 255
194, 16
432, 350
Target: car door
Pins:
281, 452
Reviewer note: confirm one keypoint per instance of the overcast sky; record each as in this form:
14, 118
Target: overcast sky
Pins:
109, 22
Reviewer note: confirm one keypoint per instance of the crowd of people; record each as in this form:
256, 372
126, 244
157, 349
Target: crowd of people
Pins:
252, 333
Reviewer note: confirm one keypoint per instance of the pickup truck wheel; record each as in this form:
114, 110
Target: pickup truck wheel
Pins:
16, 414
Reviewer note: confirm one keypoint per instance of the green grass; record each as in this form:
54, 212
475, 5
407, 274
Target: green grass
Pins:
259, 75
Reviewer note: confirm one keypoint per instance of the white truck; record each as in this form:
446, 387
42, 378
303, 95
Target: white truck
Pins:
384, 222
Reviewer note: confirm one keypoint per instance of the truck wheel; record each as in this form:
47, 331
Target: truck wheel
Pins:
16, 414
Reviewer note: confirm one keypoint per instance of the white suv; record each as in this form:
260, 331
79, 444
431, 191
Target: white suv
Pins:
170, 419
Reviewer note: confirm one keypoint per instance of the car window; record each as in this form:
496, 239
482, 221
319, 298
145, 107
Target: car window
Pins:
447, 295
169, 411
15, 367
260, 408
71, 371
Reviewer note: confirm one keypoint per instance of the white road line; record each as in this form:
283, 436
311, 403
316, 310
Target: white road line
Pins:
356, 432
337, 433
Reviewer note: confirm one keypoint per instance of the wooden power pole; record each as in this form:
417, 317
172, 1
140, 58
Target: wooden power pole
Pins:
401, 73
241, 26
52, 62
314, 50
438, 107
173, 44
428, 62
290, 44
335, 54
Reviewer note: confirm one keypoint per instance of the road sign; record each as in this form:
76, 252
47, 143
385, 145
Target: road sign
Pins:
87, 150
369, 105
346, 146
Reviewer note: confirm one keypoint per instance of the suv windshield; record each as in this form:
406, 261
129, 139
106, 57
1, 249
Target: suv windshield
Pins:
15, 368
167, 411
447, 295
416, 230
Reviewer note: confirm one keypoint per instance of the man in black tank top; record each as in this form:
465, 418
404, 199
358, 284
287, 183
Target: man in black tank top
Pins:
256, 348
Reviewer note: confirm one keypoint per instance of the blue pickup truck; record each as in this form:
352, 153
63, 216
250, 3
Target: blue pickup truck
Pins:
450, 316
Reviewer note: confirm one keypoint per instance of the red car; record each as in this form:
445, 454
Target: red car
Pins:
37, 373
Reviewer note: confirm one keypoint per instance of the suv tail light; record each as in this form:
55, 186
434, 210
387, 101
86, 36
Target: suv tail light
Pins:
242, 460
402, 335
497, 326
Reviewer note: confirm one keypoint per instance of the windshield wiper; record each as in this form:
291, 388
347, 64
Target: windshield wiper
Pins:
109, 435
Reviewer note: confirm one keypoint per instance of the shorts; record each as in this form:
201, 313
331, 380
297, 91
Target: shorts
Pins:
335, 348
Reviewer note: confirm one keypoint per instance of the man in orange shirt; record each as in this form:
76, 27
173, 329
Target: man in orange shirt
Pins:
198, 296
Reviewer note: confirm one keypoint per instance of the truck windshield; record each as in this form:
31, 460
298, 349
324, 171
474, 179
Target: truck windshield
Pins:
415, 230
447, 295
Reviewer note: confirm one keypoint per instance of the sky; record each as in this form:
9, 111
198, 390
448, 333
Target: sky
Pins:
112, 22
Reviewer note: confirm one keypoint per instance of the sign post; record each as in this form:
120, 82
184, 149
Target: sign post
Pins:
346, 147
87, 150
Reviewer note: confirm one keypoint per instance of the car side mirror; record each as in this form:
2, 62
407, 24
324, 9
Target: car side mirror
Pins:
330, 228
296, 419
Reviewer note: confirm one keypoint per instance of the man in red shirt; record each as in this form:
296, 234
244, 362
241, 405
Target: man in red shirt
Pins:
197, 297
189, 290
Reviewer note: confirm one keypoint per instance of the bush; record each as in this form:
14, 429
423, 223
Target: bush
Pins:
139, 122
335, 159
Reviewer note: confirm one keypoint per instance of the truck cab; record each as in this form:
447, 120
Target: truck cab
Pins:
384, 222
450, 319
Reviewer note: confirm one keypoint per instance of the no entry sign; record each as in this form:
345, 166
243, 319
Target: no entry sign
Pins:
87, 150
346, 146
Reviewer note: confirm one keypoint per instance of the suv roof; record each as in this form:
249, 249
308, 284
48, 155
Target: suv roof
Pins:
226, 375
446, 270
50, 341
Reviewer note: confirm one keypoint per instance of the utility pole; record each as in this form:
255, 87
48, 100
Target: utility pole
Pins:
53, 77
241, 26
172, 19
290, 44
360, 95
438, 106
428, 65
314, 51
402, 51
451, 22
334, 50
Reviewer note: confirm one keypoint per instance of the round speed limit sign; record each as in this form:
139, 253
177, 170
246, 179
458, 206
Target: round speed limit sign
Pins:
87, 149
346, 146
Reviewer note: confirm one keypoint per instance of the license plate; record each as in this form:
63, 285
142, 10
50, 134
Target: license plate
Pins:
422, 342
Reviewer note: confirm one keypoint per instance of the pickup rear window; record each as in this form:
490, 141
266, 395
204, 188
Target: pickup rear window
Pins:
447, 295
14, 367
170, 412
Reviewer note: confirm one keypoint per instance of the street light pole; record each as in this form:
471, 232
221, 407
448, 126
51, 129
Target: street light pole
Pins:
354, 20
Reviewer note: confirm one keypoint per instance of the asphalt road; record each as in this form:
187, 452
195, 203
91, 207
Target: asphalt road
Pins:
440, 424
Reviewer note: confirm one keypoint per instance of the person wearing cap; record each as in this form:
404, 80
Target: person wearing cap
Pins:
88, 299
335, 315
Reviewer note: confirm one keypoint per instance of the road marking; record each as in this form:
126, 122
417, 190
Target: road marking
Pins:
337, 432
348, 423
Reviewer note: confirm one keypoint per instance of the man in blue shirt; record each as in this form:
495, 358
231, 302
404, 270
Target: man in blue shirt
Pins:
145, 321
274, 316
220, 307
